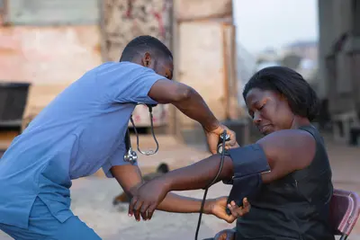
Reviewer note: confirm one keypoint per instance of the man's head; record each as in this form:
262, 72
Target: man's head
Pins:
149, 52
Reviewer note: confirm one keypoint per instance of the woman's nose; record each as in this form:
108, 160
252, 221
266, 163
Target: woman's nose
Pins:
257, 118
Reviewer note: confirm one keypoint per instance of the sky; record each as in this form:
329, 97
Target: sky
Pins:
263, 24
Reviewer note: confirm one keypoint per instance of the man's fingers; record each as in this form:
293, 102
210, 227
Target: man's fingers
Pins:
131, 205
151, 210
213, 148
236, 211
136, 210
233, 210
246, 205
144, 211
229, 145
246, 202
232, 136
231, 142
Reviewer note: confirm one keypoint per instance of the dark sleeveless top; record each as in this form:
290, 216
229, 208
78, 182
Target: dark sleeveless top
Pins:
295, 207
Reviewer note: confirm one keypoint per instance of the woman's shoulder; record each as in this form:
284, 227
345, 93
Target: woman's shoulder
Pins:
290, 147
291, 136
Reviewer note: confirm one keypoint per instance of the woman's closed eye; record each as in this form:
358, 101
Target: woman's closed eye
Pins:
261, 107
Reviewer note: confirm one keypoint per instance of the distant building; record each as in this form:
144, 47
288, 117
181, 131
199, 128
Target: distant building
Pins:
246, 67
305, 49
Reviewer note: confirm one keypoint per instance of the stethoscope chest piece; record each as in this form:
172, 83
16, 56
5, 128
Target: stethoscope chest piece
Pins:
130, 156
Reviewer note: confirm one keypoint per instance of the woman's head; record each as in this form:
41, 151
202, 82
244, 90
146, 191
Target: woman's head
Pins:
278, 97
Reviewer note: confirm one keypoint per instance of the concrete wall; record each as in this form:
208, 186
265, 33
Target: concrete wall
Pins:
48, 55
124, 20
338, 53
49, 44
205, 50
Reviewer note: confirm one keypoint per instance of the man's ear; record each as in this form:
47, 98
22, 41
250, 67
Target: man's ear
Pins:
146, 60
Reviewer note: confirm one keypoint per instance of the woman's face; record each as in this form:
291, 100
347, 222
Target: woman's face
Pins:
270, 111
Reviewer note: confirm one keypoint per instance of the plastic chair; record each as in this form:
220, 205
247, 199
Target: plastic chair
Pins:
345, 210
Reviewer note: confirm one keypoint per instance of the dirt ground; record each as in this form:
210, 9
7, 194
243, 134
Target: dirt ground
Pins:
92, 196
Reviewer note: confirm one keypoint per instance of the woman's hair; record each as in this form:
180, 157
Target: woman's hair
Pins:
301, 97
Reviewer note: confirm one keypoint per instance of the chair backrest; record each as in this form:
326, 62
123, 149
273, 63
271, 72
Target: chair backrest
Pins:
345, 210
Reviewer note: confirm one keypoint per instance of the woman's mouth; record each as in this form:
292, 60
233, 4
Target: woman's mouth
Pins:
265, 128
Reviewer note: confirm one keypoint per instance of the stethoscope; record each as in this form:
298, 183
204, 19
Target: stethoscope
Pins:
130, 155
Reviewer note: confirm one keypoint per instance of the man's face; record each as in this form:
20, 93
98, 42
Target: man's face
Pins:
163, 66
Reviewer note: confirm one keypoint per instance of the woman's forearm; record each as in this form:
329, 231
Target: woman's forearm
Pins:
198, 175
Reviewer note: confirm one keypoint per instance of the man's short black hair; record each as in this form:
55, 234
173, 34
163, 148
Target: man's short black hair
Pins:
142, 44
302, 99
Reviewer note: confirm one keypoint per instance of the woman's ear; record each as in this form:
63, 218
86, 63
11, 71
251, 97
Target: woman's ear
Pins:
282, 97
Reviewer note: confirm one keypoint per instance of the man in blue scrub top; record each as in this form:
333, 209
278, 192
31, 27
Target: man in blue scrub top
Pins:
81, 131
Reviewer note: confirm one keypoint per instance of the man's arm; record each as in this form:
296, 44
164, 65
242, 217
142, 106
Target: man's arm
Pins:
130, 179
189, 102
286, 151
186, 99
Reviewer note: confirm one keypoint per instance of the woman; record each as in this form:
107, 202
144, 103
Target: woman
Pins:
294, 197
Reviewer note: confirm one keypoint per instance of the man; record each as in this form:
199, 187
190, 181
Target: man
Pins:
81, 131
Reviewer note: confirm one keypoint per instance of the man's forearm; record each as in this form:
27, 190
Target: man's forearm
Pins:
180, 204
186, 99
198, 175
195, 107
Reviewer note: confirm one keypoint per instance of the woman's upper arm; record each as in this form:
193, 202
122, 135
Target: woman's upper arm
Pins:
287, 151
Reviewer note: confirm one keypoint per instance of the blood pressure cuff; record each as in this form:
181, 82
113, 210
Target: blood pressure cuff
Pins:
248, 162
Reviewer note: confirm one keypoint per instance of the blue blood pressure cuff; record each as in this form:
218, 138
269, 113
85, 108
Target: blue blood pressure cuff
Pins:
249, 163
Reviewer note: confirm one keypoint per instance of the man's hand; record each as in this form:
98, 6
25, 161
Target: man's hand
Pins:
237, 211
214, 136
217, 208
147, 198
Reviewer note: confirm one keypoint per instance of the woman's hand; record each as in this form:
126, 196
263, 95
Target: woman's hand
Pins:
147, 198
217, 207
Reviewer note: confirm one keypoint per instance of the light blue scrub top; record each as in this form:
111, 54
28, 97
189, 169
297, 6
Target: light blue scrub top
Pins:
79, 132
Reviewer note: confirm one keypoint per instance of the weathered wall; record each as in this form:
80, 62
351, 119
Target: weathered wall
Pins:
43, 55
124, 20
50, 58
52, 12
201, 64
191, 10
205, 51
48, 44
